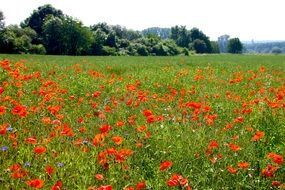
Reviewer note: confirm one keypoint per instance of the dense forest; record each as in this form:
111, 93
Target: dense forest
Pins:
49, 31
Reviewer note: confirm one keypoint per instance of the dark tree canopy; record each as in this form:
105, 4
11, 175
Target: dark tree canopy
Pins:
37, 18
196, 34
199, 46
235, 46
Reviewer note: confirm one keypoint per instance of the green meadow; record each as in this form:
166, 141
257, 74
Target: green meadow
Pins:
185, 122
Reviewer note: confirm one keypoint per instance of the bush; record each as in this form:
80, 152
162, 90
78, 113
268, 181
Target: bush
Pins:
106, 50
38, 49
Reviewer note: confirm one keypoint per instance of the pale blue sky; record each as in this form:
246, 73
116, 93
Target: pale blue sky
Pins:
246, 19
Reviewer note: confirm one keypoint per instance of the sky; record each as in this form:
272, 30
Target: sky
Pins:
247, 19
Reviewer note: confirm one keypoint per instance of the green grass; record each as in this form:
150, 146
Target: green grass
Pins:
225, 87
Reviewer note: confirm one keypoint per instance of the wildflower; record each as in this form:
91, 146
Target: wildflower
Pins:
20, 111
2, 110
1, 90
36, 183
4, 148
119, 124
243, 165
213, 144
275, 183
269, 171
60, 165
49, 170
96, 94
105, 128
10, 129
57, 185
258, 135
105, 187
277, 159
27, 164
39, 150
147, 113
151, 119
140, 185
117, 140
165, 165
174, 180
31, 140
98, 140
99, 177
232, 170
234, 147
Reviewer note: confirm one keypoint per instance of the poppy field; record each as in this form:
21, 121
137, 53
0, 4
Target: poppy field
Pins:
130, 123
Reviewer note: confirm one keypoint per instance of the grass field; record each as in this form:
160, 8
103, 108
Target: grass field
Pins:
198, 122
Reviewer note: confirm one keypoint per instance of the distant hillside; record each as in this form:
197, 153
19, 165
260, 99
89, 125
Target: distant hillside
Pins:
265, 47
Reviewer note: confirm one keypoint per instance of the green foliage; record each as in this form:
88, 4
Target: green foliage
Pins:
215, 47
180, 35
142, 50
185, 51
59, 34
16, 40
163, 33
37, 18
66, 36
37, 49
235, 46
2, 23
199, 46
203, 47
106, 50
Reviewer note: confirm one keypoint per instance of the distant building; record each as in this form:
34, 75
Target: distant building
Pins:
223, 43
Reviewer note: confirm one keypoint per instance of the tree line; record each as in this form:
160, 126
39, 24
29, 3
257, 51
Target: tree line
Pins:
50, 31
265, 47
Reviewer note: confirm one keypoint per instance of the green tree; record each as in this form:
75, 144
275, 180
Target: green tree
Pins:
199, 46
99, 41
66, 36
111, 40
196, 34
180, 35
16, 40
215, 47
38, 18
2, 23
235, 46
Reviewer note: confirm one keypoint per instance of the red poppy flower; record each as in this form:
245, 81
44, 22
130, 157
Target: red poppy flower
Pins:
36, 183
140, 185
165, 165
106, 187
57, 186
117, 140
40, 150
243, 165
258, 135
232, 170
49, 170
2, 110
99, 177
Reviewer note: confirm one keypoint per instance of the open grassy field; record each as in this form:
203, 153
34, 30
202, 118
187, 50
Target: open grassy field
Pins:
198, 122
